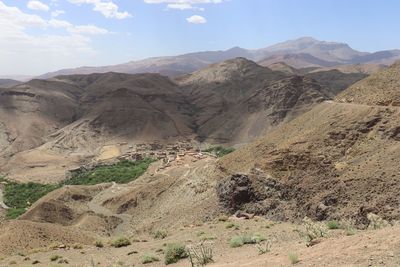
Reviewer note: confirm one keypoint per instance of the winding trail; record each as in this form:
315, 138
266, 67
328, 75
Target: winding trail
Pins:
96, 205
2, 204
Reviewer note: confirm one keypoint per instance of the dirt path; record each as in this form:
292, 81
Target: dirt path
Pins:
96, 205
2, 204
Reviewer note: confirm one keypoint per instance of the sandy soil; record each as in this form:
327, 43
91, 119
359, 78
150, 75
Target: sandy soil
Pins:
365, 248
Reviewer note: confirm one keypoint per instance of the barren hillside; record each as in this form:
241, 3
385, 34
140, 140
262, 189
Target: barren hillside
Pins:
381, 88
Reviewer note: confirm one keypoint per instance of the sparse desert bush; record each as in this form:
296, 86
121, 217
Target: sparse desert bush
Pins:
200, 254
240, 240
348, 225
223, 218
99, 243
376, 222
294, 258
148, 258
201, 233
236, 241
313, 230
333, 225
55, 257
264, 247
160, 234
207, 238
232, 225
77, 246
121, 172
120, 242
174, 253
220, 151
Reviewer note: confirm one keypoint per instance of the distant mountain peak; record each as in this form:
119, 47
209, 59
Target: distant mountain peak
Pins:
299, 53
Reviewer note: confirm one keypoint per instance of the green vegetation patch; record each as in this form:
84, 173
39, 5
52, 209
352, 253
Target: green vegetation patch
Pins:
220, 151
174, 253
333, 225
240, 240
120, 242
122, 172
148, 258
19, 196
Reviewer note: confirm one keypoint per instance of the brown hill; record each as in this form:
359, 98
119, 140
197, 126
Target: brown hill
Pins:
355, 68
301, 60
283, 67
32, 111
238, 100
63, 122
381, 88
333, 162
335, 80
5, 83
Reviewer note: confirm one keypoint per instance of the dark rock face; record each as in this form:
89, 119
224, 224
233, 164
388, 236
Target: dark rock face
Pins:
253, 193
235, 191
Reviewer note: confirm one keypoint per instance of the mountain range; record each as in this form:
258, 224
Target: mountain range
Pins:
300, 53
231, 102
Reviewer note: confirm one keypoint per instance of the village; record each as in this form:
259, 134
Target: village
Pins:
169, 153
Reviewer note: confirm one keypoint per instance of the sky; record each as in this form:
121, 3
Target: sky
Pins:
38, 36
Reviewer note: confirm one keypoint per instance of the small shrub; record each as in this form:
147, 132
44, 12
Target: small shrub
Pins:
348, 225
313, 230
174, 253
264, 247
148, 258
201, 233
232, 225
333, 225
238, 241
200, 254
294, 258
77, 246
120, 242
160, 234
376, 222
223, 218
99, 244
55, 257
206, 237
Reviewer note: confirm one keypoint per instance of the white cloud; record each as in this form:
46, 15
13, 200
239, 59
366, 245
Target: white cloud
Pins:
105, 7
196, 19
24, 53
57, 13
88, 29
184, 4
79, 29
37, 5
17, 19
55, 23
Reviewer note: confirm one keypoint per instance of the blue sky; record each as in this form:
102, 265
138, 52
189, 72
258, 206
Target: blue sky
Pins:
46, 35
